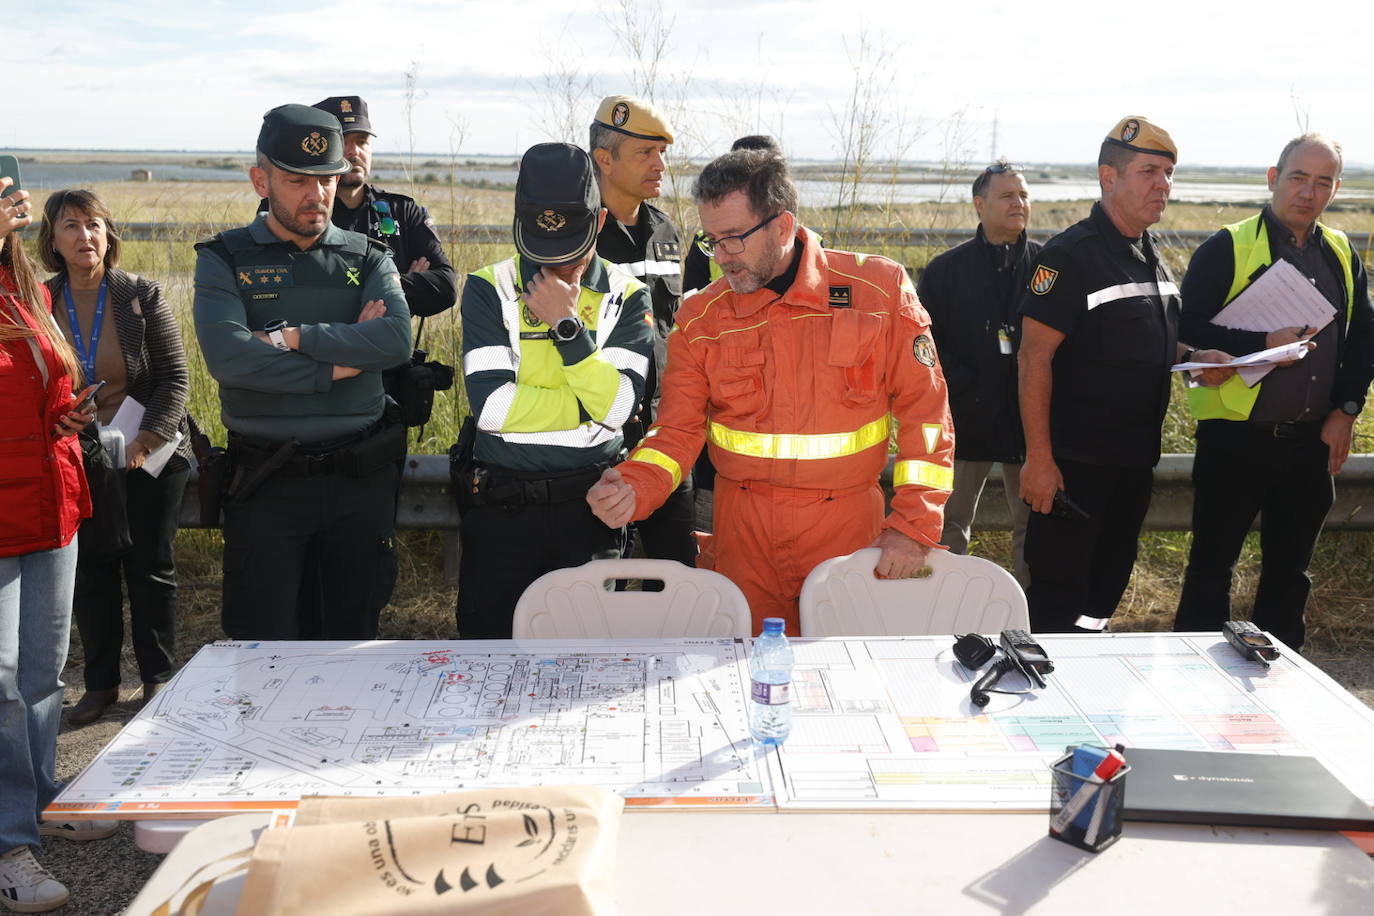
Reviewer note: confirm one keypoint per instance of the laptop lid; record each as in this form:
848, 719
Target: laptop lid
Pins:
1243, 790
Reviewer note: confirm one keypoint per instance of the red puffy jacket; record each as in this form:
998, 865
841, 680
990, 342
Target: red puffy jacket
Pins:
43, 493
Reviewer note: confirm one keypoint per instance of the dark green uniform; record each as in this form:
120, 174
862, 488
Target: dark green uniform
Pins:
337, 490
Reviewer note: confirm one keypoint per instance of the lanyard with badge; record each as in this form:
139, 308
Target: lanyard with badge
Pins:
86, 354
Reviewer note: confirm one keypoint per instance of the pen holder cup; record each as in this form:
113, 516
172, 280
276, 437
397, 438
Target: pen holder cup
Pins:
1097, 824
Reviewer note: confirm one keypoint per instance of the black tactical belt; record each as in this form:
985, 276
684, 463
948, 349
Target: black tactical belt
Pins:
1311, 429
354, 455
503, 487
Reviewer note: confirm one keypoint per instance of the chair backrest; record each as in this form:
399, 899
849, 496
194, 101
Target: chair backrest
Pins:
575, 603
842, 597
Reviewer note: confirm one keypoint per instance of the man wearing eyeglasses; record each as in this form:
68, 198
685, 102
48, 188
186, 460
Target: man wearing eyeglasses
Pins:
629, 139
792, 368
972, 292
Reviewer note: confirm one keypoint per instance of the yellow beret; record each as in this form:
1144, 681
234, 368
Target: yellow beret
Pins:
634, 118
1136, 133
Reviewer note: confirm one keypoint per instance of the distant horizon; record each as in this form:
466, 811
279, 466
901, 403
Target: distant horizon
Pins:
972, 165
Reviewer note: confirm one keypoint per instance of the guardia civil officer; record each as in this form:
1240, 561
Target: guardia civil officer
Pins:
556, 346
297, 319
1099, 333
629, 139
1271, 450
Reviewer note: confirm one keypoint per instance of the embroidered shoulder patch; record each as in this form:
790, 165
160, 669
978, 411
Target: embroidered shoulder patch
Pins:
1043, 280
923, 348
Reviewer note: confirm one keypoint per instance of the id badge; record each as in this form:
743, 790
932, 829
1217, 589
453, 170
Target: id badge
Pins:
1004, 340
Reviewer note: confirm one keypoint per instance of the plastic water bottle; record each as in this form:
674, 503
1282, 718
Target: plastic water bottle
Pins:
770, 671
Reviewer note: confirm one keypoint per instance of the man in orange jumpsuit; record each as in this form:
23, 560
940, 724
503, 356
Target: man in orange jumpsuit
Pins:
793, 366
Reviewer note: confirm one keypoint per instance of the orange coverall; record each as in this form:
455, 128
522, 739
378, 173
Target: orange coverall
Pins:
795, 395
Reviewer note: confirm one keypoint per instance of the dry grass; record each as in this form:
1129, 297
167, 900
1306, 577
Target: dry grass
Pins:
1340, 613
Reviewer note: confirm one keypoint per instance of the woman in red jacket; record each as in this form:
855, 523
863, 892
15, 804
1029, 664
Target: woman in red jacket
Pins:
43, 498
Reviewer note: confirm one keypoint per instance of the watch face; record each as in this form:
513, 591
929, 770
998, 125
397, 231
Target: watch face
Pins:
567, 328
1351, 408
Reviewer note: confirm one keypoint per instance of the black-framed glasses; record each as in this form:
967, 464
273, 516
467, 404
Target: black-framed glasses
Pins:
386, 224
733, 244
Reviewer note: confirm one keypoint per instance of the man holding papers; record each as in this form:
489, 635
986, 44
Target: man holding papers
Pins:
1273, 448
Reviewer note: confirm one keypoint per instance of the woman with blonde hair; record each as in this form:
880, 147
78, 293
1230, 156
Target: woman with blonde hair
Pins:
43, 497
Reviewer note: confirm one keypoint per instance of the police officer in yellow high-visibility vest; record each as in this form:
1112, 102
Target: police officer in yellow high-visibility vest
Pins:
557, 344
1272, 449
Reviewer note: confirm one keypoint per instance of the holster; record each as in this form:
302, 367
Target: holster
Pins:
214, 468
461, 466
412, 386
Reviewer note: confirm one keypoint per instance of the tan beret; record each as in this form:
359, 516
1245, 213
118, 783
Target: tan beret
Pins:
1136, 133
633, 118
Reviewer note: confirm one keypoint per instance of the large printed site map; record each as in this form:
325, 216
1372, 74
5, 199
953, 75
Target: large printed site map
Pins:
879, 724
244, 726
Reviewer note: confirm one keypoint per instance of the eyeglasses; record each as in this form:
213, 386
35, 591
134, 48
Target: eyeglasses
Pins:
386, 225
733, 244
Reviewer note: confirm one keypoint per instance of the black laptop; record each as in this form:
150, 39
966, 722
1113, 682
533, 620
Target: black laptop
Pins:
1242, 790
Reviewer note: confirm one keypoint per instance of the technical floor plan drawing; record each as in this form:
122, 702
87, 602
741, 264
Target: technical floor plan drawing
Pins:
879, 724
246, 726
888, 724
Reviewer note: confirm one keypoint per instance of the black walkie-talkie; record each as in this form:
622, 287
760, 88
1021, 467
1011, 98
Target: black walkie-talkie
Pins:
1250, 641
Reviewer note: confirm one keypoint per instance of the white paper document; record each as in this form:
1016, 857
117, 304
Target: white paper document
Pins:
1281, 298
1260, 358
128, 419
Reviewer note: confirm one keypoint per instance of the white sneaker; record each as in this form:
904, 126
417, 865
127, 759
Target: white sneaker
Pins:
78, 830
26, 886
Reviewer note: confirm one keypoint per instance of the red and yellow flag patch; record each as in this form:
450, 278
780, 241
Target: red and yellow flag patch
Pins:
1043, 280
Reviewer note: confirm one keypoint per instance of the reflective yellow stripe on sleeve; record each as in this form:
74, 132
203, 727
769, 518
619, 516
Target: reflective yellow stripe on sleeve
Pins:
801, 447
654, 456
923, 474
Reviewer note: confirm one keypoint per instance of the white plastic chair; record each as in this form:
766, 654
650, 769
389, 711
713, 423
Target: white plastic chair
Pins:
575, 603
842, 597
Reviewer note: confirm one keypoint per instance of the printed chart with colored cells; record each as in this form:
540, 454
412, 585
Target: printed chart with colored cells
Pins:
888, 724
248, 726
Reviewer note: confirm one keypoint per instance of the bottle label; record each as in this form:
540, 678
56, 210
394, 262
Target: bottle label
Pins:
772, 694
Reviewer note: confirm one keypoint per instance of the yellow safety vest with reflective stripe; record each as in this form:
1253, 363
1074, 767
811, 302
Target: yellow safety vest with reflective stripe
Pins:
1233, 400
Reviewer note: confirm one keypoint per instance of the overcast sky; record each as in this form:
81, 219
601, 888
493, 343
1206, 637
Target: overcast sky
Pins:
1229, 80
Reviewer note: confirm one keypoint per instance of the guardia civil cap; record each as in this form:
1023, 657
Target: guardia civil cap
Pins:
351, 111
1138, 134
634, 118
557, 202
304, 140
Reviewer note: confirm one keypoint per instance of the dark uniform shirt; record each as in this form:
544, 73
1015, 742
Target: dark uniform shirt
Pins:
972, 292
1118, 308
248, 277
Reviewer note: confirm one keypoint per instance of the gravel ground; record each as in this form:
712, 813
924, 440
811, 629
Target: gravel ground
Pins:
105, 876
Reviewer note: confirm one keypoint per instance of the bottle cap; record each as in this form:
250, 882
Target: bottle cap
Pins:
772, 626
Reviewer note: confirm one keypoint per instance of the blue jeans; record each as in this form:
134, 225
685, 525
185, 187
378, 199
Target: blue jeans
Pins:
35, 621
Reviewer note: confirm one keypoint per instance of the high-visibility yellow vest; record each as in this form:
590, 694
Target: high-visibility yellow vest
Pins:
1233, 399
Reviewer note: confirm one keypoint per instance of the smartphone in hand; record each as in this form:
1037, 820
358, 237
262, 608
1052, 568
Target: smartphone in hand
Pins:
87, 397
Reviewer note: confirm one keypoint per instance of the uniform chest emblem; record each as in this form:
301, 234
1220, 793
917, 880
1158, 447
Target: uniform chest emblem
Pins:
1043, 279
840, 297
923, 348
264, 275
314, 143
666, 251
351, 276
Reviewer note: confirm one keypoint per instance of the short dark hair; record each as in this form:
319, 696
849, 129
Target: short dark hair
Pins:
760, 174
1316, 140
756, 141
89, 203
1000, 167
602, 137
1116, 155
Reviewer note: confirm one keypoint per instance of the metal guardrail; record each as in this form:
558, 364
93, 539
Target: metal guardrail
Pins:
499, 235
425, 503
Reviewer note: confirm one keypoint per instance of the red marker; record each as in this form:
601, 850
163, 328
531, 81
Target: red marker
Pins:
1105, 770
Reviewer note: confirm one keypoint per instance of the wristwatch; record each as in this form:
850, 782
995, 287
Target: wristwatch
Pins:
565, 330
1351, 408
274, 330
